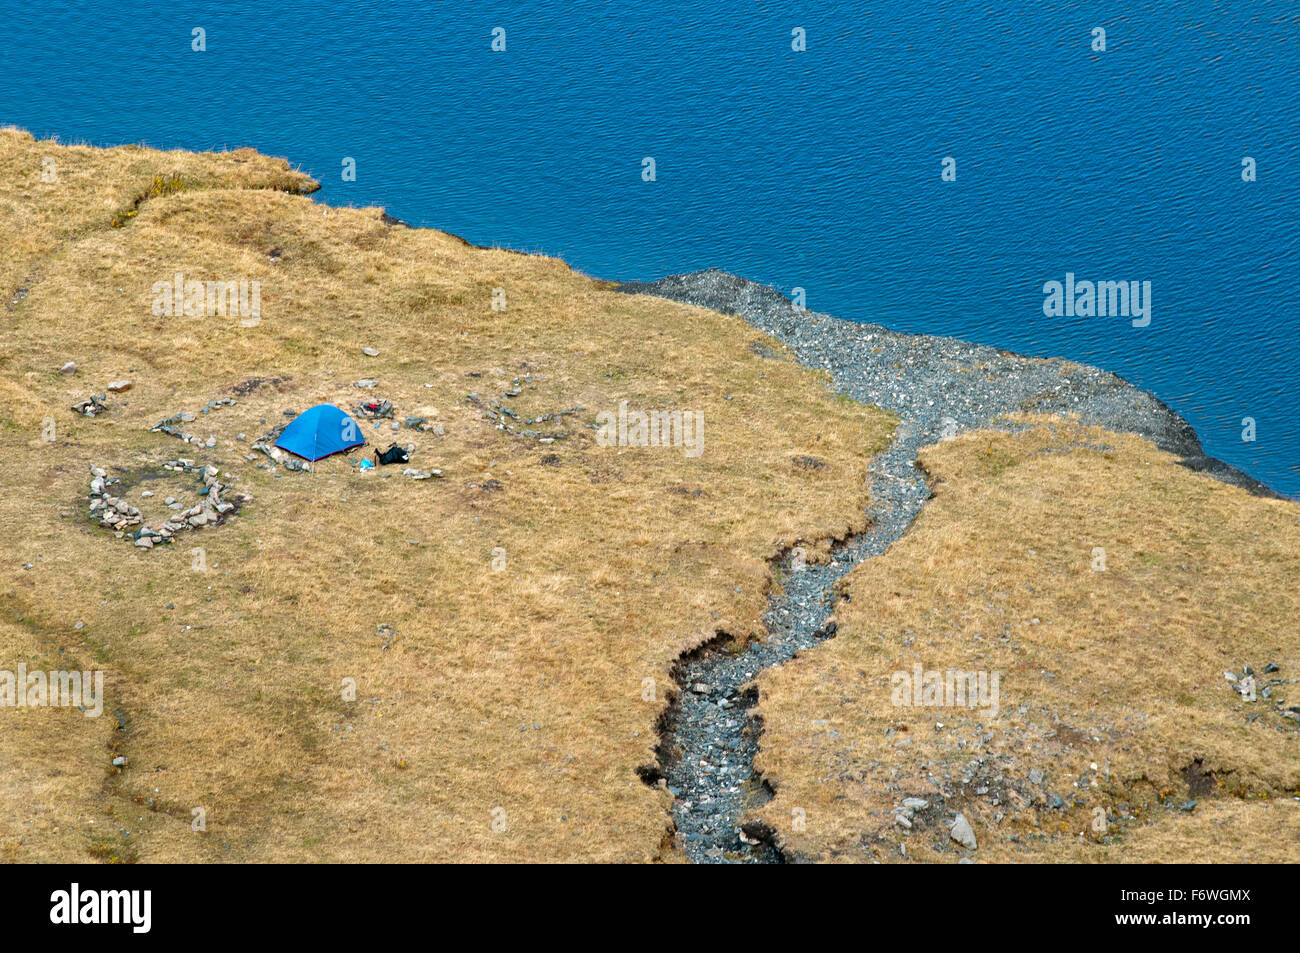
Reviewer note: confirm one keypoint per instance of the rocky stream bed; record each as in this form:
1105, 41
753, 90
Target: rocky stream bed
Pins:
938, 387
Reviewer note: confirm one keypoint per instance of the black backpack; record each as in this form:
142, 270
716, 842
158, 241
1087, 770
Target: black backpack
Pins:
394, 454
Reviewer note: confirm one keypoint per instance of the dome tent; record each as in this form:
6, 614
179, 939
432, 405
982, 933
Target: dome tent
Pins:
320, 431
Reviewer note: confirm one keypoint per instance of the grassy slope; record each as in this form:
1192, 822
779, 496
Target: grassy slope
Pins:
520, 689
617, 560
1112, 681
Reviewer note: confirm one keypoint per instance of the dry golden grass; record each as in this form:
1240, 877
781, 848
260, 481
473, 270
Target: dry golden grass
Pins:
519, 690
1223, 832
1111, 681
54, 760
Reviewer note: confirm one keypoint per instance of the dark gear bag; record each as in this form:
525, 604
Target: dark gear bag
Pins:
394, 454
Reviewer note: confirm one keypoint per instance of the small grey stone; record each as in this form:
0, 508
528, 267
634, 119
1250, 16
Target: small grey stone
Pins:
962, 833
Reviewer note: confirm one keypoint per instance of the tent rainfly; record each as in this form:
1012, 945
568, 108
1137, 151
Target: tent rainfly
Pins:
319, 432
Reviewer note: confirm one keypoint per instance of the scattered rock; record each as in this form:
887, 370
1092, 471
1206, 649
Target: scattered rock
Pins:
113, 512
68, 369
502, 415
117, 387
172, 425
370, 351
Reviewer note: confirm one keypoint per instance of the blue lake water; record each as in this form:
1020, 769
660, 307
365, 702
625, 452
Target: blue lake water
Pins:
817, 169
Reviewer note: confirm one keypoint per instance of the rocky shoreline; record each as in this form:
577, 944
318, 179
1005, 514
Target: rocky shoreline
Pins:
938, 387
920, 377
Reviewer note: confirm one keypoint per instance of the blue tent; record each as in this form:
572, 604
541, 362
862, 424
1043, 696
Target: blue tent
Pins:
320, 431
